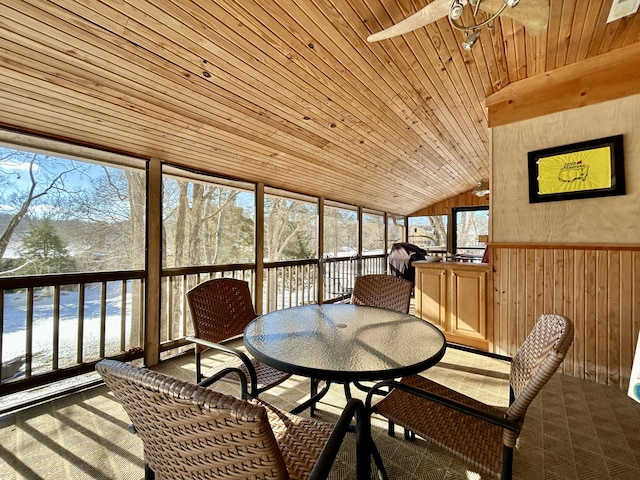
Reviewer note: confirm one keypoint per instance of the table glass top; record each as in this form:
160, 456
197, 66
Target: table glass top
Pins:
344, 342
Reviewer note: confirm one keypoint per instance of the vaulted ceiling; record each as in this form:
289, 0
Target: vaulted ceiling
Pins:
284, 92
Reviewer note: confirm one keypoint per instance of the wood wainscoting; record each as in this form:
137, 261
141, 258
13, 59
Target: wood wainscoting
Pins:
598, 287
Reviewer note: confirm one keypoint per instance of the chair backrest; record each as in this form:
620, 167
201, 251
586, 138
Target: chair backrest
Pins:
385, 291
191, 432
220, 308
536, 361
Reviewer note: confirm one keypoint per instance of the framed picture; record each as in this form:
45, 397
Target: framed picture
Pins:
594, 168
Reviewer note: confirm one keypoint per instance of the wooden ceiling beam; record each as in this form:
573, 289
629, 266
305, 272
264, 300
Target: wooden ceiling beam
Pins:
594, 80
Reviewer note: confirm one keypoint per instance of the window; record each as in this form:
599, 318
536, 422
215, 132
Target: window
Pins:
470, 231
340, 231
290, 228
395, 229
62, 214
429, 232
206, 221
372, 233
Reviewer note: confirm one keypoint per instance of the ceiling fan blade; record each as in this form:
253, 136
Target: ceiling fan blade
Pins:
533, 14
432, 12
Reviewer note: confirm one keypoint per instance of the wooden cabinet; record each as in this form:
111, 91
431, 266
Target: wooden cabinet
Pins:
453, 296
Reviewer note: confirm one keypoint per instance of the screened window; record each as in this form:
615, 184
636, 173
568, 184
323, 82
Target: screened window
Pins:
61, 214
373, 241
395, 229
340, 232
290, 228
205, 222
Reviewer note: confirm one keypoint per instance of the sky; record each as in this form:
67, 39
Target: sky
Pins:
15, 178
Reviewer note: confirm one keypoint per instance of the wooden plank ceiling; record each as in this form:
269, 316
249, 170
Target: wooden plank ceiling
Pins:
285, 92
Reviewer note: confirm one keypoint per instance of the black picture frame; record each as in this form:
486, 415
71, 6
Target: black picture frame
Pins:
594, 168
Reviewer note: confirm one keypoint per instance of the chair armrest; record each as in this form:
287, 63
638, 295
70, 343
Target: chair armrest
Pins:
447, 402
354, 408
215, 346
223, 373
253, 379
475, 351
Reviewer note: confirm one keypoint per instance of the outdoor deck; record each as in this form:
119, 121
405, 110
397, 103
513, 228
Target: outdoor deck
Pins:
575, 429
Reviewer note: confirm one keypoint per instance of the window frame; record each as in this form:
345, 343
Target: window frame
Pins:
454, 224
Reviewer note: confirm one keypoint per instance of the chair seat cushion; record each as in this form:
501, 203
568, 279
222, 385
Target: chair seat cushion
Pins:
477, 442
267, 376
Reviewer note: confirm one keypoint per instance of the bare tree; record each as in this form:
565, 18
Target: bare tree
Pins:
197, 217
287, 228
439, 227
340, 231
199, 199
46, 178
114, 210
137, 196
372, 233
217, 211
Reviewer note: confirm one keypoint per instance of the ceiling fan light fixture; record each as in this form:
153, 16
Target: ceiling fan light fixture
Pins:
456, 10
482, 188
472, 32
470, 39
534, 17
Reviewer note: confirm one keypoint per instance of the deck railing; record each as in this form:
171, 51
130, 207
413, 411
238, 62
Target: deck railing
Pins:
339, 273
58, 326
290, 284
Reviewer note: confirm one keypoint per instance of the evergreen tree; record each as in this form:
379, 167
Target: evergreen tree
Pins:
44, 250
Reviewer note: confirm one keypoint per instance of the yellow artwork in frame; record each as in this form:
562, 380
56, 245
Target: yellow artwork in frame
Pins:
581, 170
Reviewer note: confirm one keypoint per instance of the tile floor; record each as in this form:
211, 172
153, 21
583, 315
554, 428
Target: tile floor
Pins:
575, 429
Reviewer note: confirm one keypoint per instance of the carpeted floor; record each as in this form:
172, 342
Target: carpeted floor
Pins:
575, 429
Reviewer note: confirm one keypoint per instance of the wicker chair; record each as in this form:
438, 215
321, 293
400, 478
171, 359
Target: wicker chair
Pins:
482, 435
221, 308
190, 432
385, 291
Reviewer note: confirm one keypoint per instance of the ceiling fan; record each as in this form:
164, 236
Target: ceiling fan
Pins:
533, 14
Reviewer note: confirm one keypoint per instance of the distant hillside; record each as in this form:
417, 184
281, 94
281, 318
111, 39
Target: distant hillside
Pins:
67, 229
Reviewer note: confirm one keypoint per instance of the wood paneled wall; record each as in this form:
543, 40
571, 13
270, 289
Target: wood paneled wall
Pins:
466, 199
598, 287
579, 258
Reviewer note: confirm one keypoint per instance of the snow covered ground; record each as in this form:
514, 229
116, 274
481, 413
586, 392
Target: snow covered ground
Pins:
14, 338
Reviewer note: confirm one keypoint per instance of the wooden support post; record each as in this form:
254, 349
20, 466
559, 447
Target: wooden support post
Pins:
320, 298
259, 253
153, 281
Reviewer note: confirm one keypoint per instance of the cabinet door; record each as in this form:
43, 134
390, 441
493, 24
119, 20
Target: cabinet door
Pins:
468, 304
431, 294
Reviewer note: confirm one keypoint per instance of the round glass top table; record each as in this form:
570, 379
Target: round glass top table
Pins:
344, 343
